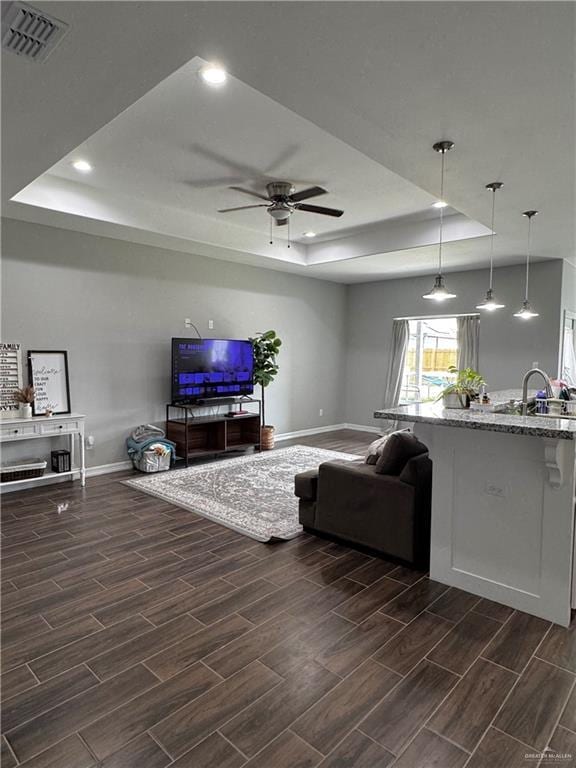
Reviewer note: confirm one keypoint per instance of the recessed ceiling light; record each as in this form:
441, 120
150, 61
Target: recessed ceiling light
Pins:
82, 165
213, 74
439, 204
309, 234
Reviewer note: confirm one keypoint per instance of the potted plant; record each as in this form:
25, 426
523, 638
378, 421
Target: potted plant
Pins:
465, 387
25, 397
266, 348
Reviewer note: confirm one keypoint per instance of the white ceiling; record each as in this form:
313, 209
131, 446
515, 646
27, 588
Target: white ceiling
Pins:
183, 145
347, 95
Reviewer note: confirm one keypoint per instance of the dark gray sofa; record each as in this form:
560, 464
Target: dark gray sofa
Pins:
389, 514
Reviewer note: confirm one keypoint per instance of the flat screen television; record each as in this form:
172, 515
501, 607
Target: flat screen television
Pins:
203, 369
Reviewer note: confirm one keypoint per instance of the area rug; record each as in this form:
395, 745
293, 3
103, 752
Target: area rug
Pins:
252, 494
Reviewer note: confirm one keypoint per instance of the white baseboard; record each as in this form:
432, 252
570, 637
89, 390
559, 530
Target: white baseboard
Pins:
330, 428
305, 432
362, 428
105, 469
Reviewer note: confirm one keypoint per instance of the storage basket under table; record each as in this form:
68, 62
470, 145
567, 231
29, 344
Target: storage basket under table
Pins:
21, 470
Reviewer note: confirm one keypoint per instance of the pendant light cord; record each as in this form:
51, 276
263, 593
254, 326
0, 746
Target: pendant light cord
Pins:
492, 237
440, 240
528, 256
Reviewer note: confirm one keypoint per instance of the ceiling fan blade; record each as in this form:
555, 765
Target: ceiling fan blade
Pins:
307, 193
281, 222
319, 209
249, 192
242, 208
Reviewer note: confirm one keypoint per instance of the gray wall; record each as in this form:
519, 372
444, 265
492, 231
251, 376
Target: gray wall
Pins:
115, 305
508, 345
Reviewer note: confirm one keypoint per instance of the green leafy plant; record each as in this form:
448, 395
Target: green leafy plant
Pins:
266, 348
466, 384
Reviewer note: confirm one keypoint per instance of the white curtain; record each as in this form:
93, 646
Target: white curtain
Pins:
468, 341
569, 357
400, 337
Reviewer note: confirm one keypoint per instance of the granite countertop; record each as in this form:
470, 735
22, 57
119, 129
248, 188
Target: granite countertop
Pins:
435, 413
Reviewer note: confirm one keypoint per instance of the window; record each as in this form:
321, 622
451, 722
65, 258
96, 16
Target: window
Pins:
432, 349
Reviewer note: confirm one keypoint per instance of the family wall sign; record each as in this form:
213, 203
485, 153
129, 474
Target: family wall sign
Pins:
10, 378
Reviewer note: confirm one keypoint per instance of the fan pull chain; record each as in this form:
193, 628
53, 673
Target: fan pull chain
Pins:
288, 231
271, 240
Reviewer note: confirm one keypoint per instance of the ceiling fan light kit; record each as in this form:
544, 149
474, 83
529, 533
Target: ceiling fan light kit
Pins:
283, 200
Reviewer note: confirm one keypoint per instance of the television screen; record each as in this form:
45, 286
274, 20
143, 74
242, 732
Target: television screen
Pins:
207, 368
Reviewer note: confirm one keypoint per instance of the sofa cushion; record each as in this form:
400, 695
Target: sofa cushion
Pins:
375, 449
399, 448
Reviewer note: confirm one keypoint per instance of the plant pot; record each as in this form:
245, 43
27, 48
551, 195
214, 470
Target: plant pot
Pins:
456, 401
25, 410
266, 438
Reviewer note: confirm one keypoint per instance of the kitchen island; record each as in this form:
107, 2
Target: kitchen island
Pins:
503, 501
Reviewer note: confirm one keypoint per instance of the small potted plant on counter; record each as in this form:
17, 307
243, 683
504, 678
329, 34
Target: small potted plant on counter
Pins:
266, 348
465, 387
25, 397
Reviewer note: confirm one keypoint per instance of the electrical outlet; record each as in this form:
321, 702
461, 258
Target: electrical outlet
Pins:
187, 322
495, 490
321, 412
210, 325
90, 442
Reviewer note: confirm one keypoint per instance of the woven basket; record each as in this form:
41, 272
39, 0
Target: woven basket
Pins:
22, 471
267, 438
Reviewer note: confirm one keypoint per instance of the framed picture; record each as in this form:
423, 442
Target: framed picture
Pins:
48, 373
10, 378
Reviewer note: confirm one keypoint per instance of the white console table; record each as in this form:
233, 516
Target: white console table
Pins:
71, 424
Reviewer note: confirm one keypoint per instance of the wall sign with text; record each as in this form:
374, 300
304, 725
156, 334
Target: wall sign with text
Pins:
49, 377
10, 378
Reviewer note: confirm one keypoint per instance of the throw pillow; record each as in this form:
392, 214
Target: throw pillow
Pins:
375, 449
399, 449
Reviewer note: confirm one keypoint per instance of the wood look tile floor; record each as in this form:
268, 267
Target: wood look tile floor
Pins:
140, 635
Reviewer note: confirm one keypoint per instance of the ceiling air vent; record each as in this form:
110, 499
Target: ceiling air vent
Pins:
30, 33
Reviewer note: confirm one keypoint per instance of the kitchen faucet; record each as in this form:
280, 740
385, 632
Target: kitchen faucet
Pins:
527, 377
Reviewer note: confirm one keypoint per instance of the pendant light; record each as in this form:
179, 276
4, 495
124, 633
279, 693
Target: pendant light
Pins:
490, 303
439, 292
526, 311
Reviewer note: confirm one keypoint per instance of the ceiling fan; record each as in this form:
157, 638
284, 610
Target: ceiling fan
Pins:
282, 200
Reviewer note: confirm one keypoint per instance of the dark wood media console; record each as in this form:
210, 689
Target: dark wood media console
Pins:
198, 436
